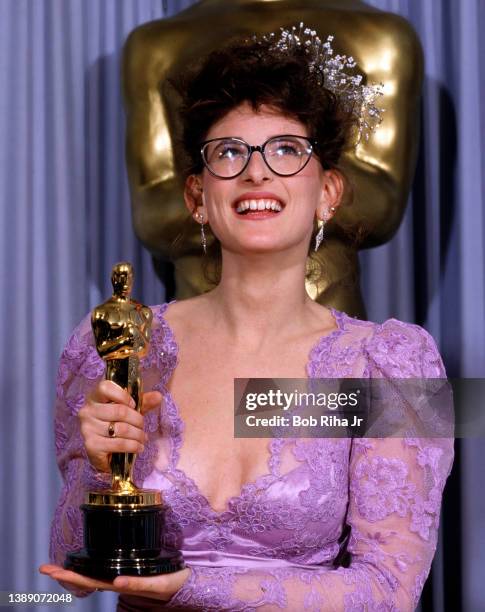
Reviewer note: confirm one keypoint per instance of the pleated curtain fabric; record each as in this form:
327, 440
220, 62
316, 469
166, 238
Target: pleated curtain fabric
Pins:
433, 271
65, 219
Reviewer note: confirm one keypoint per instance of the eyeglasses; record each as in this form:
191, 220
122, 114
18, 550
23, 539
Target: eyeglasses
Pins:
284, 155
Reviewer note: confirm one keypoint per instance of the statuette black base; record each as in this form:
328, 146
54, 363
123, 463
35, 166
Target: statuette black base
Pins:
123, 542
108, 569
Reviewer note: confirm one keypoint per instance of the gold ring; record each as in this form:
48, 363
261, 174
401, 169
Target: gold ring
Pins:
111, 430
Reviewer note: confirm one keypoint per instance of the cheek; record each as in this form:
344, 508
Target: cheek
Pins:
307, 194
216, 194
217, 203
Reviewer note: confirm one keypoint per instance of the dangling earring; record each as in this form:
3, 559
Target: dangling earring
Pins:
322, 222
319, 236
203, 240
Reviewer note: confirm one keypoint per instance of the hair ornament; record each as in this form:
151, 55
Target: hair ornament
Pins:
334, 72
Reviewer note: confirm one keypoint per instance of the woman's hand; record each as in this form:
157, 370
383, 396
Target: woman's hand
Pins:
156, 587
111, 406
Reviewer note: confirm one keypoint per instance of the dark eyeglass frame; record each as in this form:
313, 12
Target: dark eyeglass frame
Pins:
251, 149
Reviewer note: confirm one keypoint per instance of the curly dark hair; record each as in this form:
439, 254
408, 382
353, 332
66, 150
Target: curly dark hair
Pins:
249, 71
254, 72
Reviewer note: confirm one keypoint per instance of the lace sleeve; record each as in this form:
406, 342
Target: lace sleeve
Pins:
395, 489
80, 368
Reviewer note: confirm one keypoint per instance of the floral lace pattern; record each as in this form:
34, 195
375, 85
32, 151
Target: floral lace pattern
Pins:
281, 542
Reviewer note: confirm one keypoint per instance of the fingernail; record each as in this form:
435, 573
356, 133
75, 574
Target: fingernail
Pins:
121, 581
132, 403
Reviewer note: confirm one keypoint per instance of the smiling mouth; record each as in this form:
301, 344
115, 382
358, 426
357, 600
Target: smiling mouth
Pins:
250, 207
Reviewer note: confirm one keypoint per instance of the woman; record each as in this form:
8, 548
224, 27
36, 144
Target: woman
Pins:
261, 525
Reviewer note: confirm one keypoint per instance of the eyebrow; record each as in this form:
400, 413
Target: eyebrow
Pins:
265, 140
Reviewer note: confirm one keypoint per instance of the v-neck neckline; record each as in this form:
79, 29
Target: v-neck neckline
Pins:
274, 444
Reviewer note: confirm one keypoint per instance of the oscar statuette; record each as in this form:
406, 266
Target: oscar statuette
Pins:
123, 525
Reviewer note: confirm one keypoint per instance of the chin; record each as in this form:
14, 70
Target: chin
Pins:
265, 247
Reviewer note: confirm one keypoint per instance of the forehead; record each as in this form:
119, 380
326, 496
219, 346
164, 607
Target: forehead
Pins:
250, 125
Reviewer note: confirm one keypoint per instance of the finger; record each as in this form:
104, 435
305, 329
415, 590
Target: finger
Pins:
117, 412
157, 587
134, 583
75, 590
108, 391
105, 445
151, 400
48, 568
153, 587
75, 580
120, 430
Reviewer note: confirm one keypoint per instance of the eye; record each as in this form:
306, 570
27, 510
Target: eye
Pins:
227, 150
287, 148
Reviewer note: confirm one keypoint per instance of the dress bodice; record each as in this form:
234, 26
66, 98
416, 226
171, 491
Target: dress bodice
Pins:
376, 499
294, 512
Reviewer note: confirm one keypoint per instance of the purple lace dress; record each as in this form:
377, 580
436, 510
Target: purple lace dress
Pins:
277, 544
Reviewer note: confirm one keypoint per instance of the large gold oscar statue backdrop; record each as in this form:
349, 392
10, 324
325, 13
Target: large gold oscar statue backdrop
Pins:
381, 169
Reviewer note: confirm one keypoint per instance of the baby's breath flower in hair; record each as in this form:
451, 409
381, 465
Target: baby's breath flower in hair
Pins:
334, 72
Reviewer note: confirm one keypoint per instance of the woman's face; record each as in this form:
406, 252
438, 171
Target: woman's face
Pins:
297, 199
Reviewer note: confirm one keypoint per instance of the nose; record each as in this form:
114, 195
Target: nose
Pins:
256, 171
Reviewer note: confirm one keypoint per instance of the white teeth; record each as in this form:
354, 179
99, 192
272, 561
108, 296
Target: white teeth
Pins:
260, 204
242, 207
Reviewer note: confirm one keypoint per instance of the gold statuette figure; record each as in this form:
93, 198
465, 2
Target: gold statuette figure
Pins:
121, 328
123, 526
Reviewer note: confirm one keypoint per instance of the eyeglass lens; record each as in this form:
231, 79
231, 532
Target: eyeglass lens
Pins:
227, 157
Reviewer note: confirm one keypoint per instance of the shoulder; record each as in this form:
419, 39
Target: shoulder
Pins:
181, 314
81, 339
79, 356
390, 349
403, 350
155, 44
386, 30
158, 310
82, 335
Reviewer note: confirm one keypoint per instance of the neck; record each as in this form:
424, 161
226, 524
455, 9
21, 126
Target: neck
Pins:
259, 296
